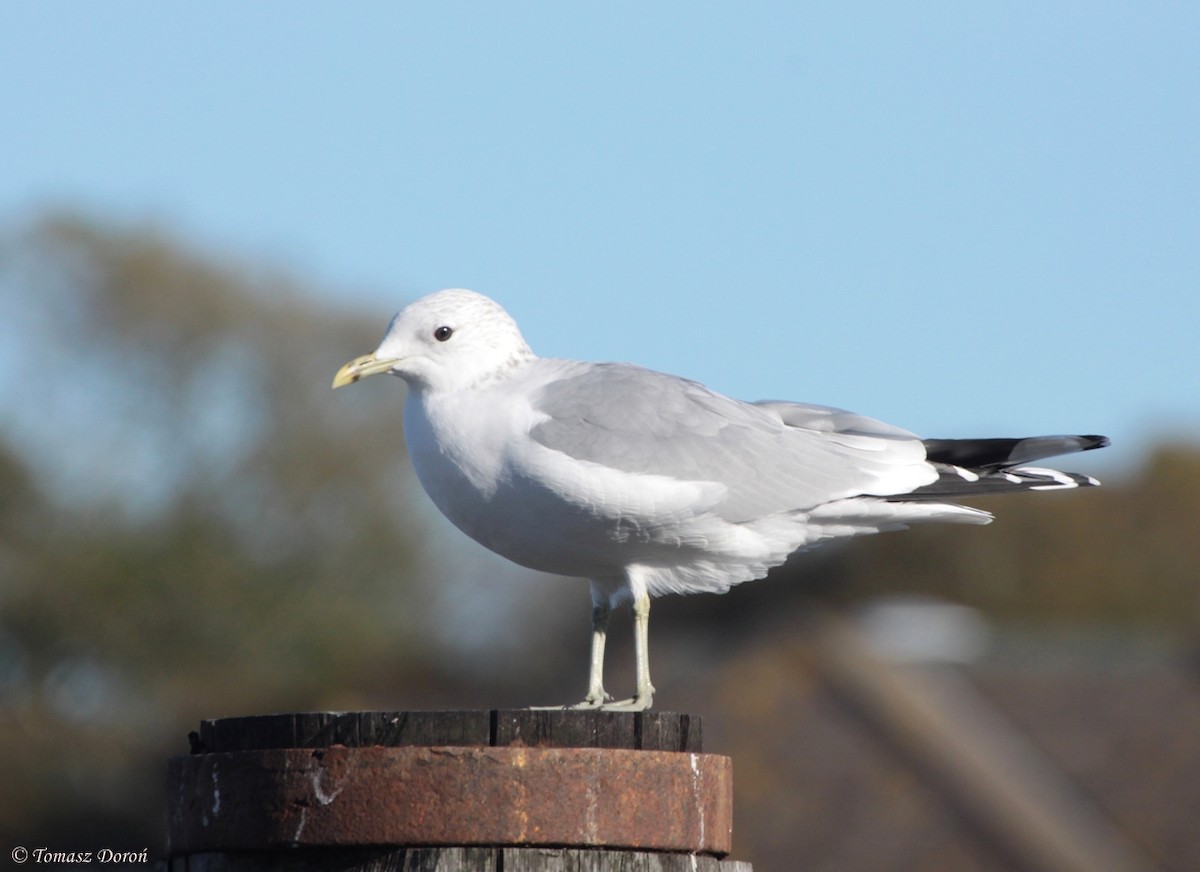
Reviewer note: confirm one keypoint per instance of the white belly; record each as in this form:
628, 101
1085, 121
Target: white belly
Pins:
539, 508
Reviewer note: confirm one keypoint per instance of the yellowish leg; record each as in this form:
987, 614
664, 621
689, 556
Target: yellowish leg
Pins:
596, 697
644, 695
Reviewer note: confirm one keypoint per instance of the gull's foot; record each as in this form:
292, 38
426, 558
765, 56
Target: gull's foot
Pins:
592, 702
639, 703
636, 704
601, 701
633, 704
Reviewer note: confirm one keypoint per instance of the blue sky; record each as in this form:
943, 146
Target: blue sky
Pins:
964, 218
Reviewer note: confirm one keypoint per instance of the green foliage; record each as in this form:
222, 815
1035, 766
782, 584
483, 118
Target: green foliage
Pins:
191, 522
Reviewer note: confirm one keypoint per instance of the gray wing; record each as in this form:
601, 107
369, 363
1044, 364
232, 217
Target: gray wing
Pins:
770, 456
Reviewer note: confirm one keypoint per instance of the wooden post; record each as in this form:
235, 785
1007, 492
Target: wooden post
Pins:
459, 791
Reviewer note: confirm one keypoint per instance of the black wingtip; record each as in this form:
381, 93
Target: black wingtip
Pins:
1003, 453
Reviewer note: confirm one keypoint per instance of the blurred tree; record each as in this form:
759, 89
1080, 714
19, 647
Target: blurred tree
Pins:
189, 523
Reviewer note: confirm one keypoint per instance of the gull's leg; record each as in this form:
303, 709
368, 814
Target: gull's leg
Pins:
644, 696
641, 649
596, 696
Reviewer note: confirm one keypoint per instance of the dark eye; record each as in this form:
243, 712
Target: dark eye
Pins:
443, 333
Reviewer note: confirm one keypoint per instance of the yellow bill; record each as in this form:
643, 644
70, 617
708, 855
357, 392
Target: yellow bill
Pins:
361, 367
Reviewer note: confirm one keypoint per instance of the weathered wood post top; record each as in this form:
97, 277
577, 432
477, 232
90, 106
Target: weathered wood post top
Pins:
479, 790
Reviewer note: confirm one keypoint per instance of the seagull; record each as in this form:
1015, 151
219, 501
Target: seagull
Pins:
648, 484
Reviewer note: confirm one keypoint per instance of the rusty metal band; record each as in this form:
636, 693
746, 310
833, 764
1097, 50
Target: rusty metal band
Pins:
596, 797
